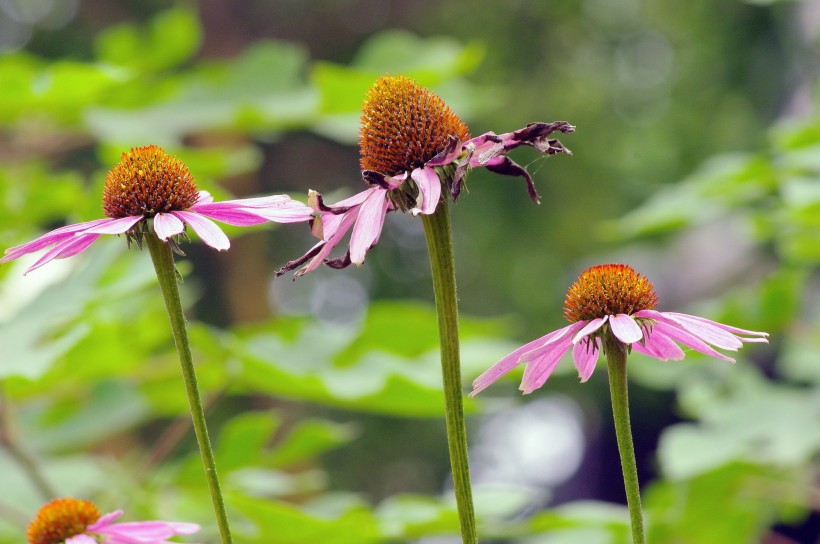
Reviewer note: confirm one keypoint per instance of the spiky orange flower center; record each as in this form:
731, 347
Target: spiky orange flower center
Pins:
404, 125
608, 289
61, 519
148, 181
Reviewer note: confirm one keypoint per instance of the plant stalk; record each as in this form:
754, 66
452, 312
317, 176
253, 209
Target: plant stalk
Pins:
439, 236
616, 367
163, 259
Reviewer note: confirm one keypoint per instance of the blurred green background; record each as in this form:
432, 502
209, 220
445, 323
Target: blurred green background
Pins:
696, 161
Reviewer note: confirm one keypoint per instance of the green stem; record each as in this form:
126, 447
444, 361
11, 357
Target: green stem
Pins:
163, 260
440, 247
616, 366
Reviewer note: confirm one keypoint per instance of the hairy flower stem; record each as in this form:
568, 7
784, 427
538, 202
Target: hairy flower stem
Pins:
163, 260
440, 247
616, 366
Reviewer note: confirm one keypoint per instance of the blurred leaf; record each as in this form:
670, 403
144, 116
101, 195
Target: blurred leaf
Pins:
171, 38
109, 408
582, 521
261, 90
268, 483
753, 421
244, 438
721, 184
309, 438
728, 505
362, 369
279, 523
49, 314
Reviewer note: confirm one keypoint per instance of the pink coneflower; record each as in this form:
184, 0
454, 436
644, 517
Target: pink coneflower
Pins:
74, 521
411, 144
150, 185
612, 305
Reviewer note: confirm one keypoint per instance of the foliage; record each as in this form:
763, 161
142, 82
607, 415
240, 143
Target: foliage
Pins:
307, 413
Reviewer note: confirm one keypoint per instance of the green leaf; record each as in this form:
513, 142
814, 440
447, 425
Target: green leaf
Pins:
729, 505
744, 423
244, 438
172, 37
280, 523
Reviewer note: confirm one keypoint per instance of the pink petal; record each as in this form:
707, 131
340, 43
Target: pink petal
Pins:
147, 531
591, 327
167, 225
659, 346
204, 197
210, 233
50, 238
67, 248
368, 225
513, 359
542, 361
115, 226
687, 339
585, 356
81, 539
429, 186
703, 330
253, 211
726, 328
104, 521
625, 329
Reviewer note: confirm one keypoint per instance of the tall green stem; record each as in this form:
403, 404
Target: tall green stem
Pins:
440, 247
616, 366
163, 260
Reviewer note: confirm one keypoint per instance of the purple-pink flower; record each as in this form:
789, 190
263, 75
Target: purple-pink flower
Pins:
148, 184
411, 145
612, 307
75, 521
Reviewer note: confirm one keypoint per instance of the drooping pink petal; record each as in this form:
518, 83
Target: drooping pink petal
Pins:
687, 339
114, 226
542, 361
590, 327
49, 238
368, 225
67, 248
728, 328
207, 230
167, 225
625, 328
513, 359
429, 186
585, 356
147, 531
659, 346
448, 154
707, 332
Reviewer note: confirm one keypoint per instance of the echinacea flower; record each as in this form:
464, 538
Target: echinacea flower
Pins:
74, 521
613, 307
150, 185
414, 151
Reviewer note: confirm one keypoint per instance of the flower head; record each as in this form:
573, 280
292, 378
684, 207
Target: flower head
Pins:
148, 185
414, 151
613, 307
74, 521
